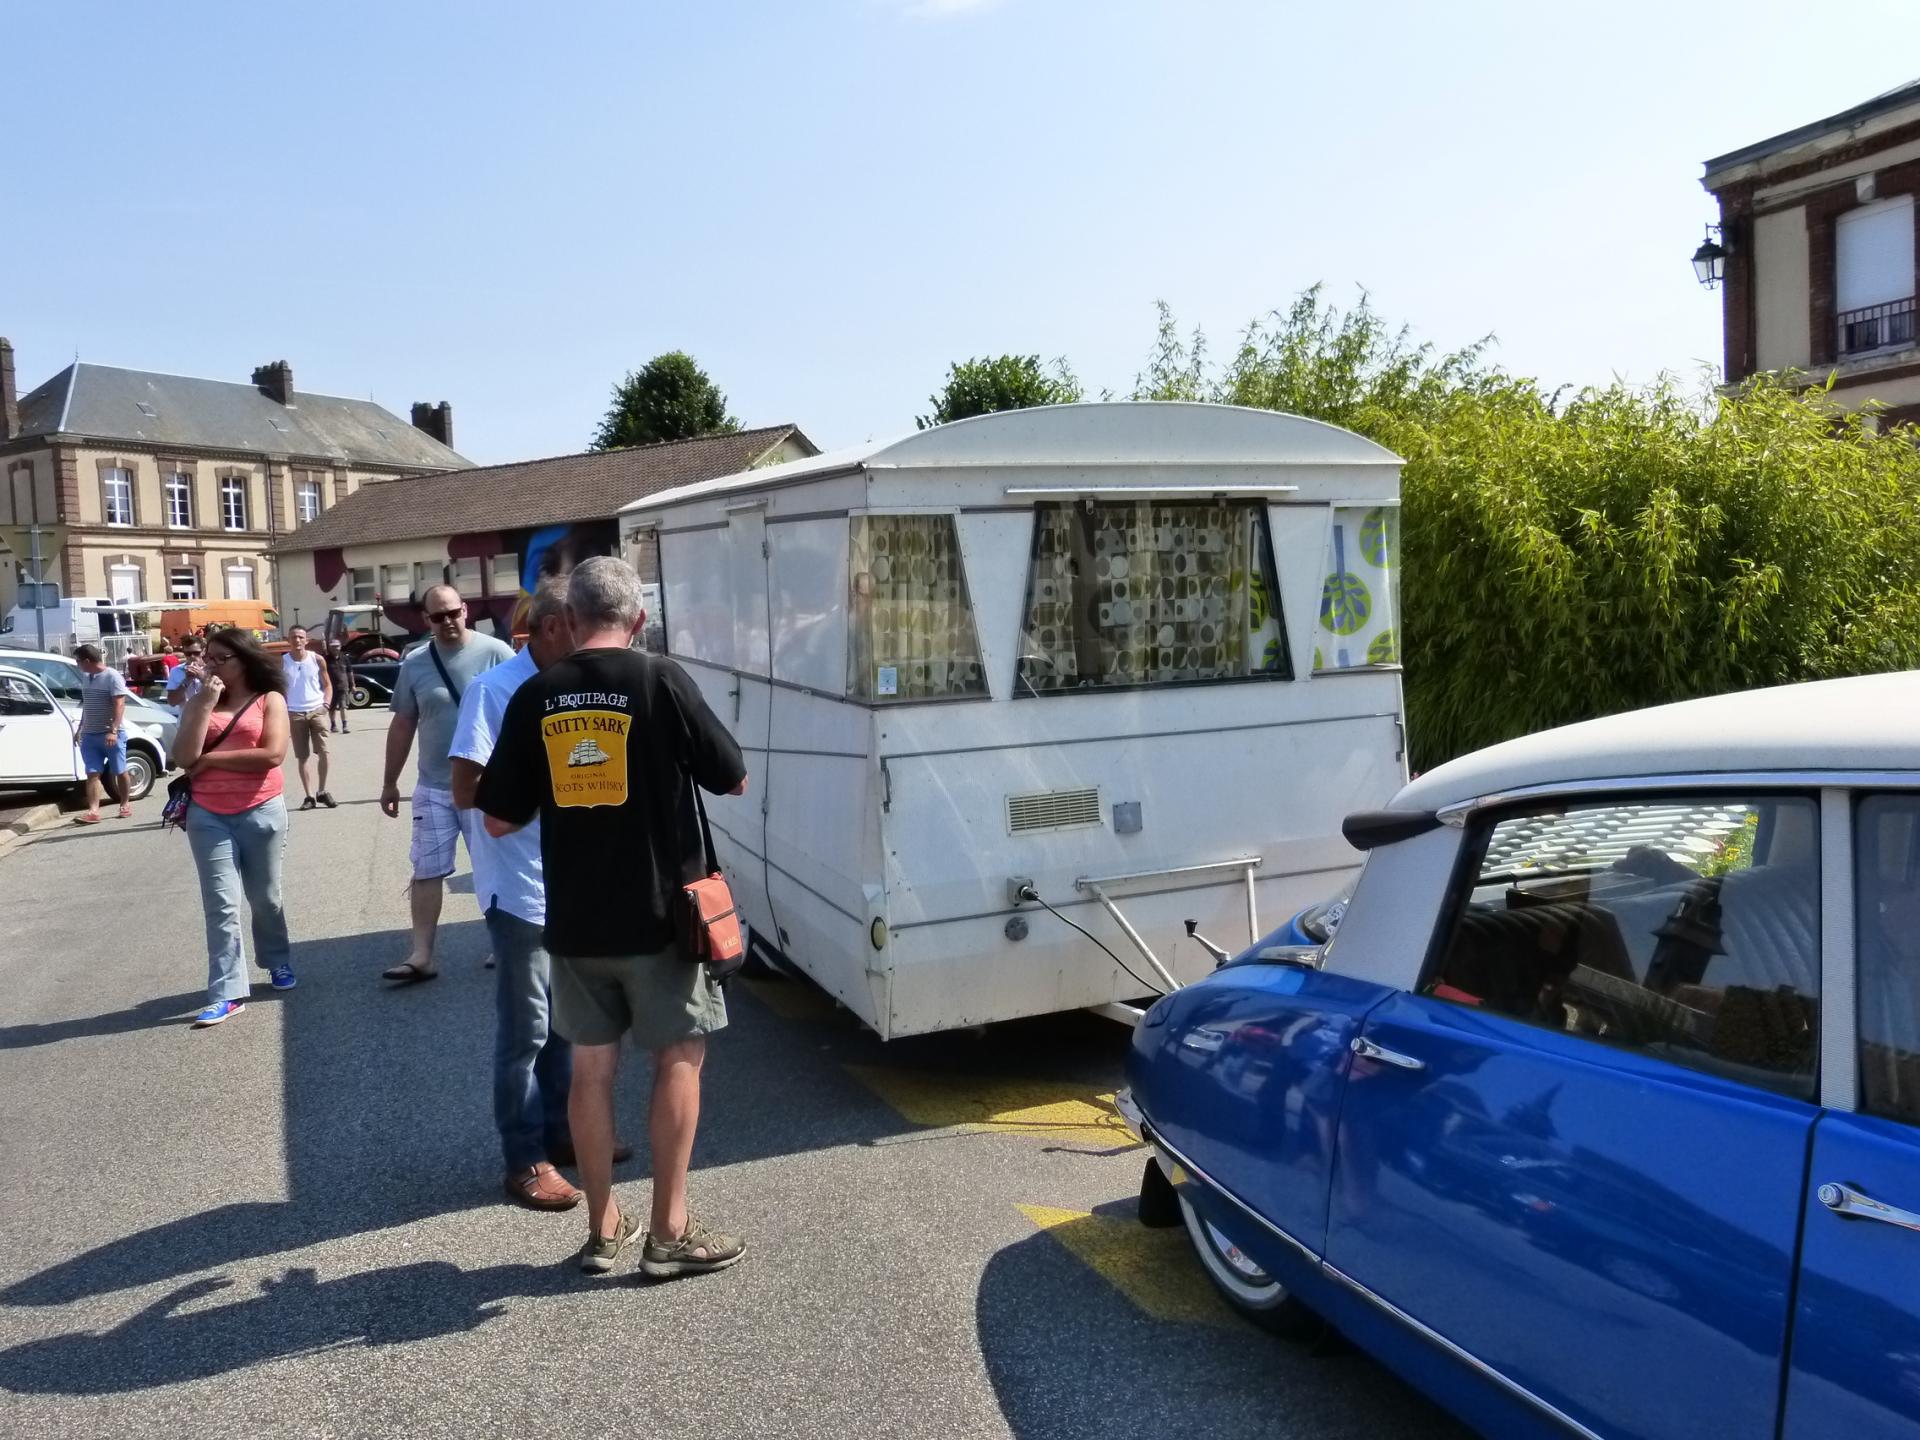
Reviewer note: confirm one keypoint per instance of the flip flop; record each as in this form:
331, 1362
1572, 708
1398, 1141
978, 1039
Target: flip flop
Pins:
126, 812
408, 973
86, 819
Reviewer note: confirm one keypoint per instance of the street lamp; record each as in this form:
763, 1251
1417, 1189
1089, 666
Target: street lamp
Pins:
1710, 260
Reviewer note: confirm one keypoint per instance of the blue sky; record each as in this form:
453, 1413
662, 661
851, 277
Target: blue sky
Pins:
826, 201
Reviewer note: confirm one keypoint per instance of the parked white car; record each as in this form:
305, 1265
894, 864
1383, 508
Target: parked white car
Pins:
37, 747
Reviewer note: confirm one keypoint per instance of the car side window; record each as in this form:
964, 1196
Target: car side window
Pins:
62, 678
18, 698
1886, 861
1686, 928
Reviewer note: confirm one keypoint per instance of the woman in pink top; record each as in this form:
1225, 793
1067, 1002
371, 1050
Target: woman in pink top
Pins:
233, 736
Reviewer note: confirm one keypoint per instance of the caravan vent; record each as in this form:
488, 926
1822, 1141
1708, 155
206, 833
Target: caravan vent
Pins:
1053, 810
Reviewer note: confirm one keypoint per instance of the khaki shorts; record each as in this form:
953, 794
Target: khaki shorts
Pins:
660, 998
309, 732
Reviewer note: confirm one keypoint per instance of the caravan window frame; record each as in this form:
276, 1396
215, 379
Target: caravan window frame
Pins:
952, 513
1289, 670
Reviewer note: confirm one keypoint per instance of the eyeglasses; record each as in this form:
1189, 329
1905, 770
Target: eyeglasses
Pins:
213, 659
445, 617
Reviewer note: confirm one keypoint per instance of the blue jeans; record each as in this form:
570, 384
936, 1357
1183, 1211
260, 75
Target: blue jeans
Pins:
532, 1066
240, 854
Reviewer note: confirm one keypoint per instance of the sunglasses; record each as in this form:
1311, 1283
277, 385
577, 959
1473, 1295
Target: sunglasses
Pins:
444, 617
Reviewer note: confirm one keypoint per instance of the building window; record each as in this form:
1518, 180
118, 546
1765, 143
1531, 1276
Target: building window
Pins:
116, 486
179, 492
505, 576
233, 502
183, 583
123, 583
1683, 927
240, 582
1873, 276
364, 589
1125, 593
464, 576
912, 622
306, 500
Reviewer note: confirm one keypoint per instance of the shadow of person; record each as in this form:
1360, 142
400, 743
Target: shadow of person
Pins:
161, 1010
167, 1343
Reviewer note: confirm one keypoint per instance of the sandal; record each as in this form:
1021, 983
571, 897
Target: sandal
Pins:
88, 819
126, 812
598, 1255
408, 973
696, 1252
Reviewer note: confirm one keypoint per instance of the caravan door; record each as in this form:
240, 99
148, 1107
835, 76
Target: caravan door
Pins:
752, 717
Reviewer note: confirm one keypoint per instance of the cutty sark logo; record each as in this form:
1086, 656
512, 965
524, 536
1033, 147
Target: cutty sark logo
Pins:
587, 756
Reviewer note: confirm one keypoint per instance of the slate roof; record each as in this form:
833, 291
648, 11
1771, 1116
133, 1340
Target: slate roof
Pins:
564, 489
105, 402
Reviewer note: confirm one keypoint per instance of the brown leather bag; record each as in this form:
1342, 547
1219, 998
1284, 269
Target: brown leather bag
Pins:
709, 924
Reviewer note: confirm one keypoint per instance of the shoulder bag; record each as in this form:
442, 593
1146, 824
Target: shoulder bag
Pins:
433, 653
180, 790
709, 926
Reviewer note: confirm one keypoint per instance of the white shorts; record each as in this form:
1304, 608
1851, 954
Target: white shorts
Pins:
436, 826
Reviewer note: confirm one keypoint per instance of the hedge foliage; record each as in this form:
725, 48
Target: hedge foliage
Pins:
1570, 556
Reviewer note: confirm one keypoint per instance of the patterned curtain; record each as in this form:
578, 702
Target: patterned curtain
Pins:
1144, 593
913, 635
1359, 601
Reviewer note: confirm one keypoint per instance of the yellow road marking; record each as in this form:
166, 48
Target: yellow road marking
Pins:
1154, 1269
990, 1104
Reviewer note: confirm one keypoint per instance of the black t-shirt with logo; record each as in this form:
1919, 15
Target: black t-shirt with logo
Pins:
601, 746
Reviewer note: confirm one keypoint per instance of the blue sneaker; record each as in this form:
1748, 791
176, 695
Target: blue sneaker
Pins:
283, 977
215, 1013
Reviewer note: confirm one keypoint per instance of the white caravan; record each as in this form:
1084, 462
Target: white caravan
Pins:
1138, 657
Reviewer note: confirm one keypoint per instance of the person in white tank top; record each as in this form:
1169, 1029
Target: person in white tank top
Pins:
309, 696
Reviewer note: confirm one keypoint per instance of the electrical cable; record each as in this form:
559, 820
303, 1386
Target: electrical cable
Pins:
1027, 892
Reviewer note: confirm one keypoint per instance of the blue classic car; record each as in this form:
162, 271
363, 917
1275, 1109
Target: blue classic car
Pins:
1600, 1112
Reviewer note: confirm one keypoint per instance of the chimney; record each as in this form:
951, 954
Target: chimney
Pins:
9, 401
436, 420
275, 381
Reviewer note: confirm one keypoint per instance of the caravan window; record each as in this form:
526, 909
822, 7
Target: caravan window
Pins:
1129, 593
1360, 599
912, 623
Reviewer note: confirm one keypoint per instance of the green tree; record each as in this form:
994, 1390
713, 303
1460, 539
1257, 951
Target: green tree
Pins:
1565, 557
669, 398
1004, 382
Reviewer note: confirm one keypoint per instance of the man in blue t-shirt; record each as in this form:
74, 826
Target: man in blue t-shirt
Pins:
103, 731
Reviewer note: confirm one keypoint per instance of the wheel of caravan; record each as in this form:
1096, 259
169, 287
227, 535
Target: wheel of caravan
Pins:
1245, 1286
141, 773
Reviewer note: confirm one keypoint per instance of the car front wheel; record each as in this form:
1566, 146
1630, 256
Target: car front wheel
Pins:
1245, 1286
360, 697
142, 770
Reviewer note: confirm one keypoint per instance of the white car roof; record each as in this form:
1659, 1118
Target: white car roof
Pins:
1871, 722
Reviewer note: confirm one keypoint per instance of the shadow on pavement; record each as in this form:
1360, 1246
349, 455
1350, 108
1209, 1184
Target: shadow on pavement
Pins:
163, 1010
293, 1315
1091, 1366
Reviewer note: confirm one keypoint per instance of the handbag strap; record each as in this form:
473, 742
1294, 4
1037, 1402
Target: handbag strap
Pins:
206, 745
706, 831
440, 665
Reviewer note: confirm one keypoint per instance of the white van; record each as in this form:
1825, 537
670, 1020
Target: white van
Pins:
1135, 660
80, 620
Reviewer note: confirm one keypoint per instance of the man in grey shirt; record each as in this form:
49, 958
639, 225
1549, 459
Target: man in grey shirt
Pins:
426, 701
103, 731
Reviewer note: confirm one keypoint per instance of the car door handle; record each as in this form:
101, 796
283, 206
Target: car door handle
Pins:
1845, 1200
1367, 1050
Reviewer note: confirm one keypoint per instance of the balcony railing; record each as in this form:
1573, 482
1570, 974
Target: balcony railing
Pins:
1876, 327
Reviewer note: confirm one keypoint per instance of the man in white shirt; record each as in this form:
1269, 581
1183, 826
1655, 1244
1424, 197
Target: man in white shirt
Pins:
309, 695
532, 1065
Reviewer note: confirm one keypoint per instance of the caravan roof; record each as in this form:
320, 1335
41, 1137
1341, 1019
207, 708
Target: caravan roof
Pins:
1129, 433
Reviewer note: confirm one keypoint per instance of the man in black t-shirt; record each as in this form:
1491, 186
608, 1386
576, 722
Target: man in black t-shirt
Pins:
605, 747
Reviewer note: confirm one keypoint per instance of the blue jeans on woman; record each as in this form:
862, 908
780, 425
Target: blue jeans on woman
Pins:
240, 855
532, 1066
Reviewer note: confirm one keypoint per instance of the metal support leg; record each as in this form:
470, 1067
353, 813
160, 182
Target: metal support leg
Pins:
1253, 911
1134, 935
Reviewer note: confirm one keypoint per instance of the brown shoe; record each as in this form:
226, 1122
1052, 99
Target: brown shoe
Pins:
541, 1188
562, 1154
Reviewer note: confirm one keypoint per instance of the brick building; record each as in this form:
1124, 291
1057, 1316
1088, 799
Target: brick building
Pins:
1818, 225
165, 487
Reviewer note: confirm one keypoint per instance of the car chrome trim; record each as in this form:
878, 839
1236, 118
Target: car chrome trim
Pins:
1368, 1050
1839, 1055
1844, 1200
1458, 812
1154, 1138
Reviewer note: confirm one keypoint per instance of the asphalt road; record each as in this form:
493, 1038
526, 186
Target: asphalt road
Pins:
291, 1224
